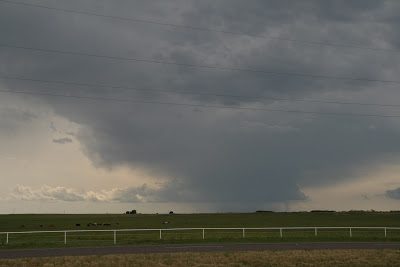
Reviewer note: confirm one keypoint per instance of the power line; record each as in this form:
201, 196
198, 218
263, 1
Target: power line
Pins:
198, 66
195, 93
195, 28
131, 100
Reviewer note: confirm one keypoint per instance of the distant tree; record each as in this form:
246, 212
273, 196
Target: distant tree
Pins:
127, 212
171, 212
133, 212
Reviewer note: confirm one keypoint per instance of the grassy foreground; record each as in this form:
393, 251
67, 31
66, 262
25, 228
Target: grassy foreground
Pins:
20, 223
320, 258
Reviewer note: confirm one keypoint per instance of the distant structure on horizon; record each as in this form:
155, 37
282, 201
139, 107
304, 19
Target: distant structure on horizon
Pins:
131, 212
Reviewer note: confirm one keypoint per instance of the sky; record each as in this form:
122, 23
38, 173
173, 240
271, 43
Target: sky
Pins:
199, 106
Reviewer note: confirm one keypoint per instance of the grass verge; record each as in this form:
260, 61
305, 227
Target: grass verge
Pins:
321, 258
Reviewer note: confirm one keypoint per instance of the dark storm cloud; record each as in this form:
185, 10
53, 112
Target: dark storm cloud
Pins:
215, 155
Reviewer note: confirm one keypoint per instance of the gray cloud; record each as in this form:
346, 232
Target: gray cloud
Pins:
53, 127
395, 193
62, 141
214, 155
12, 120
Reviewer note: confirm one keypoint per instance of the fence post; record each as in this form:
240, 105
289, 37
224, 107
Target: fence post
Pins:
65, 237
385, 232
351, 234
115, 237
203, 233
160, 234
280, 230
243, 234
7, 239
315, 231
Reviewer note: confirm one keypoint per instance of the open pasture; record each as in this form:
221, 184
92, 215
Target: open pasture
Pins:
102, 228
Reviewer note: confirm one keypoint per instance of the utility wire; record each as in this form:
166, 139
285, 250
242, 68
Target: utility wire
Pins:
131, 100
194, 28
198, 66
102, 85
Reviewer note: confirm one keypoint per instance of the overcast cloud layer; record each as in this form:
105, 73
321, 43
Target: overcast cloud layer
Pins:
218, 156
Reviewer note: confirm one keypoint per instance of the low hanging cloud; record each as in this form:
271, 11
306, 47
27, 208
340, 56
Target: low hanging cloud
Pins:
394, 194
59, 193
167, 193
46, 193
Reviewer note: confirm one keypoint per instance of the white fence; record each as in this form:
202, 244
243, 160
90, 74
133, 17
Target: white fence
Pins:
203, 231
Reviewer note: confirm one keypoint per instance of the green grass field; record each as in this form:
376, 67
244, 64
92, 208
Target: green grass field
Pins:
11, 223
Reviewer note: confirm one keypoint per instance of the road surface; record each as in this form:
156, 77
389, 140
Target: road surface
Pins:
26, 253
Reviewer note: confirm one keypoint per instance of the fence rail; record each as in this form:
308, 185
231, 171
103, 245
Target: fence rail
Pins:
203, 231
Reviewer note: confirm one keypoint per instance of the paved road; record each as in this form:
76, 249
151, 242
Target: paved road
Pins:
12, 254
